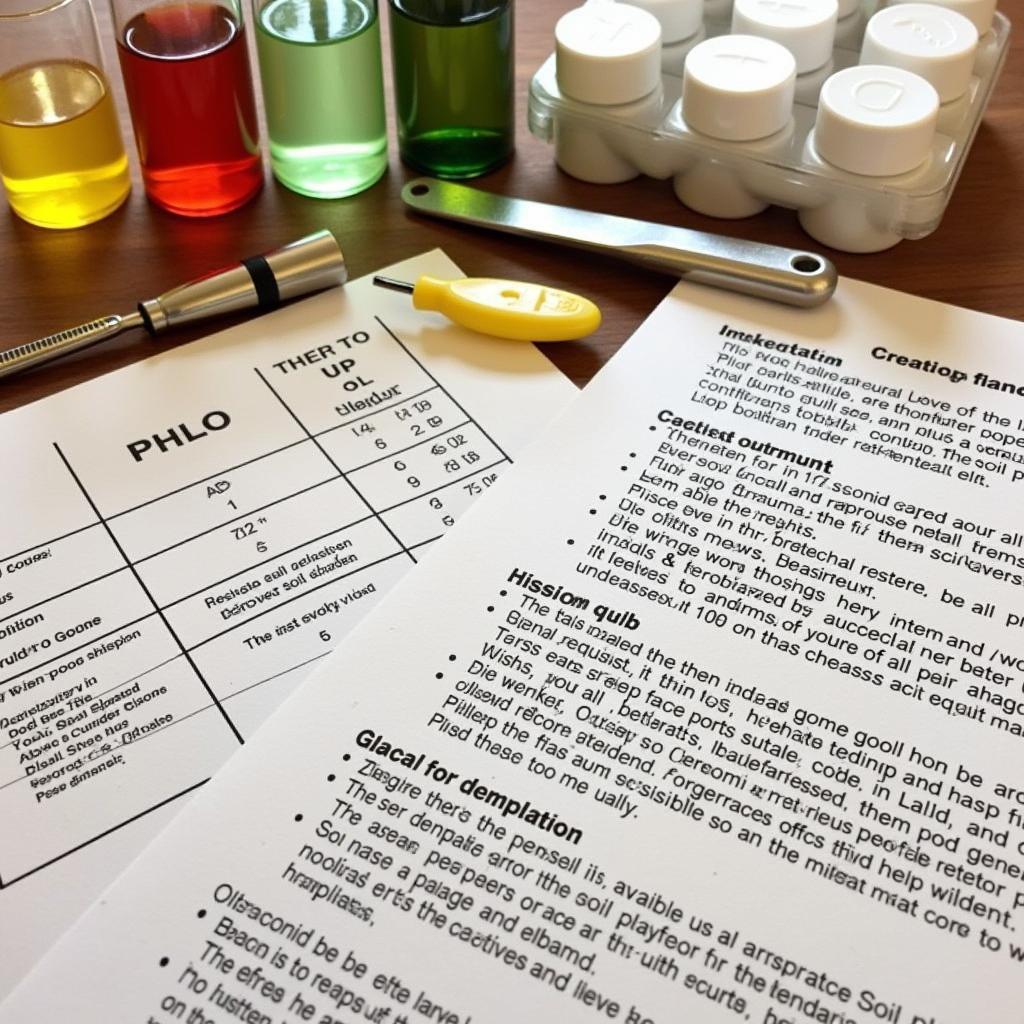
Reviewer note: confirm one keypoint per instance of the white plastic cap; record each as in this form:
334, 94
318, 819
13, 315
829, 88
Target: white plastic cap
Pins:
978, 12
806, 28
935, 43
679, 19
738, 88
876, 120
607, 53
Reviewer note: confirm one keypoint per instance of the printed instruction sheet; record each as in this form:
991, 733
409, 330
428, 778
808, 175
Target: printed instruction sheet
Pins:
711, 710
182, 540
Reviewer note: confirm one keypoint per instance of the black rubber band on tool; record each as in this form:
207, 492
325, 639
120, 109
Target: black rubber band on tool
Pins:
267, 294
146, 321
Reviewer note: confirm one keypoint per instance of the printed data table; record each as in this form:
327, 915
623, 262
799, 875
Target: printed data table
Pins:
179, 547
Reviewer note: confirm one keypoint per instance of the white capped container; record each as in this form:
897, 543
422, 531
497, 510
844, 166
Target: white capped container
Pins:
806, 28
873, 121
739, 89
876, 120
860, 212
933, 42
607, 54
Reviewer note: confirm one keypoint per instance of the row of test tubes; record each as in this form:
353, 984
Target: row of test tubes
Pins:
187, 76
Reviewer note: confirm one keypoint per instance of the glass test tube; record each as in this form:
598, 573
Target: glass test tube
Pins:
323, 93
62, 160
186, 73
453, 67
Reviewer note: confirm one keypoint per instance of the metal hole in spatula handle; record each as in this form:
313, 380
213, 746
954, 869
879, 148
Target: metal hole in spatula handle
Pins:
792, 276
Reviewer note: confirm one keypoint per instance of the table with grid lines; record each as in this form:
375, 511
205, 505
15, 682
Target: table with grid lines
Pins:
159, 624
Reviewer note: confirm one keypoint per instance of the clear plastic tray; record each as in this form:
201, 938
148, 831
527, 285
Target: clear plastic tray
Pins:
729, 179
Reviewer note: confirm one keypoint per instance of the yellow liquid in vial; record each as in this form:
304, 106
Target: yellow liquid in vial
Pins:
62, 160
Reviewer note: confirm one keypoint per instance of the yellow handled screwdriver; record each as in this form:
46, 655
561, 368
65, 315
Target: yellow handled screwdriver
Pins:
513, 310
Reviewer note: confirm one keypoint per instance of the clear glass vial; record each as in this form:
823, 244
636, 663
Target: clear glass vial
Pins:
185, 65
61, 156
323, 93
454, 84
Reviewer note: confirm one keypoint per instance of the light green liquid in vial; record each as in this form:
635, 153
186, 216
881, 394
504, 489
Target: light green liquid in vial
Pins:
323, 94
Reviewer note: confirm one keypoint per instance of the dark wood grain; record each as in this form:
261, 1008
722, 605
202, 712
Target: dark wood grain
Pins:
54, 279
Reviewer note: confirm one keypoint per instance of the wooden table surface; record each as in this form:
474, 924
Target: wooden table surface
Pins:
55, 279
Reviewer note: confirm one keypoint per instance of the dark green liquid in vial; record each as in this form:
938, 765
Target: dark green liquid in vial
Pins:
453, 66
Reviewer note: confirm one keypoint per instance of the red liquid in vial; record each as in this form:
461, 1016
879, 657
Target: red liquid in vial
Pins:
186, 72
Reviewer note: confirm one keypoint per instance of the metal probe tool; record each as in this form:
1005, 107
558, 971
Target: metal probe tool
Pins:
793, 276
261, 282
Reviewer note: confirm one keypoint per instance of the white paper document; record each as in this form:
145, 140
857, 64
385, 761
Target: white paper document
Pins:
180, 541
711, 710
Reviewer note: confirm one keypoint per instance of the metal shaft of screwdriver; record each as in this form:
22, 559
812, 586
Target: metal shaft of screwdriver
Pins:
393, 283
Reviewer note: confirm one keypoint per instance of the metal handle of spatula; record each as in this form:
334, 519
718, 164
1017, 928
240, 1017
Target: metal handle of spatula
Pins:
796, 277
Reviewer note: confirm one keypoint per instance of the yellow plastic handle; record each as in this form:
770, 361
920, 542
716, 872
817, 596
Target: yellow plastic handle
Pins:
509, 309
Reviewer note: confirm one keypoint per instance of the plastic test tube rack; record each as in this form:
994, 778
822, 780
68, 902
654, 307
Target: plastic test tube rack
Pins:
612, 119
